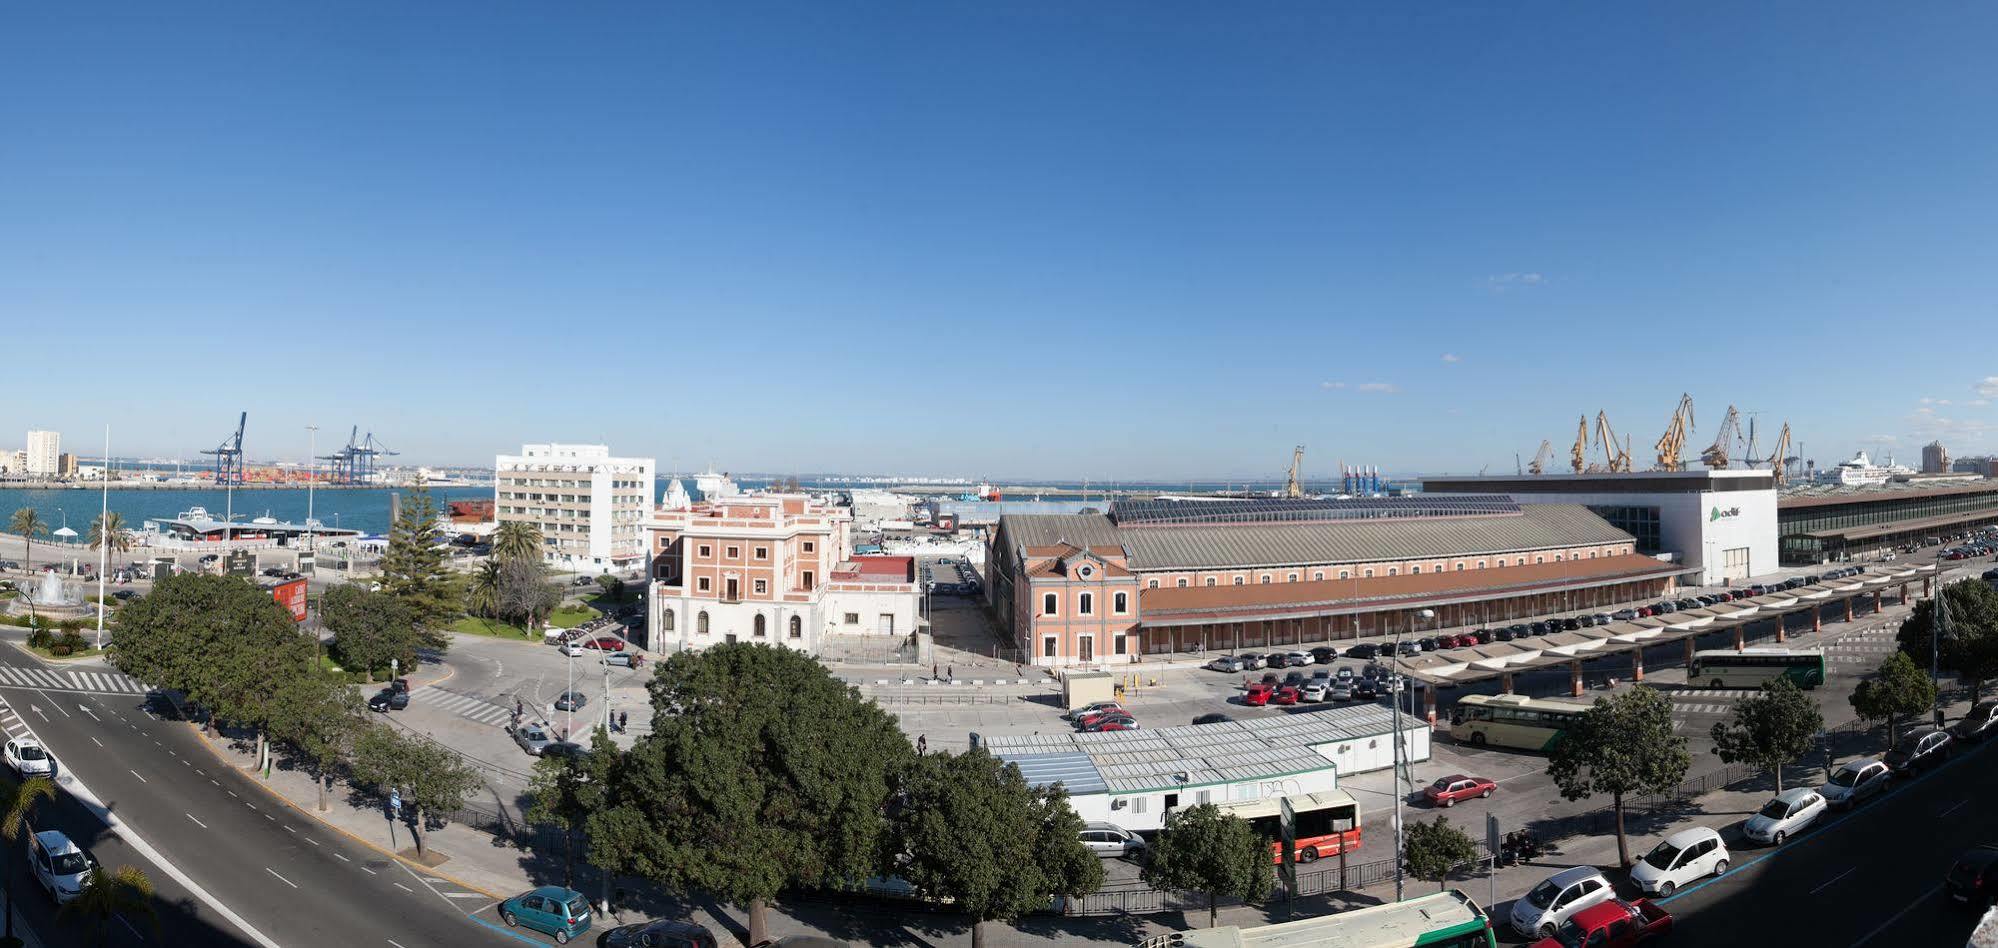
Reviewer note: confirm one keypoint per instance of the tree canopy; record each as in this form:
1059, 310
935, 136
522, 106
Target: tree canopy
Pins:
369, 628
416, 572
318, 718
1622, 745
762, 771
968, 828
1434, 848
1202, 849
1898, 689
566, 788
430, 776
1970, 639
1776, 726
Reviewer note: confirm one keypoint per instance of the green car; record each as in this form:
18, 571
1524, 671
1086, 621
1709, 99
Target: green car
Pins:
551, 910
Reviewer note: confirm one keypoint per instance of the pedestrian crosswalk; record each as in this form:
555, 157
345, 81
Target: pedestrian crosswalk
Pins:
56, 679
462, 705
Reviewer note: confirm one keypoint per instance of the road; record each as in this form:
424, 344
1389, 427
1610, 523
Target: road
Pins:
293, 880
1872, 877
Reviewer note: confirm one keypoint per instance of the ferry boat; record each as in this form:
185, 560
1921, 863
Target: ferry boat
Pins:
1860, 471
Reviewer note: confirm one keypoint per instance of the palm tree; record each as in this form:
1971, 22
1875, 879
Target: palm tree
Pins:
122, 893
517, 540
19, 800
112, 525
29, 525
482, 595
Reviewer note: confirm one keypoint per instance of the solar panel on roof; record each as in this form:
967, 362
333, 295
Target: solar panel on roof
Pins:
1162, 512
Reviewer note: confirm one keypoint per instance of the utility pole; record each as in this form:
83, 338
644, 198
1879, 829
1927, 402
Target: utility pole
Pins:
1937, 630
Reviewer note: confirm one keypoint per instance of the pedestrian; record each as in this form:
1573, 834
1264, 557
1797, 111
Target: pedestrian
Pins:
933, 672
952, 673
922, 745
623, 720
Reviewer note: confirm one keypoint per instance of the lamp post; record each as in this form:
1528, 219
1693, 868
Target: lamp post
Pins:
103, 536
311, 475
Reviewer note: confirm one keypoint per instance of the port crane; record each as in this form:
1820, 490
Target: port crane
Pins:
229, 455
1716, 454
354, 464
1779, 461
1546, 454
1291, 488
1578, 456
1615, 452
1674, 439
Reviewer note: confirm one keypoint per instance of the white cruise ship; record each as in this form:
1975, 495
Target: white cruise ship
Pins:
1862, 472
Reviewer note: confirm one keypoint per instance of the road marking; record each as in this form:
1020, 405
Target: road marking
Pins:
97, 742
196, 822
281, 878
308, 839
1924, 897
229, 792
198, 770
367, 870
341, 858
1833, 879
38, 710
93, 715
403, 887
462, 895
291, 831
397, 944
1951, 809
136, 774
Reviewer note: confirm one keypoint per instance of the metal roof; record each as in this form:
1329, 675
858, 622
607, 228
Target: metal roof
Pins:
1164, 512
1195, 754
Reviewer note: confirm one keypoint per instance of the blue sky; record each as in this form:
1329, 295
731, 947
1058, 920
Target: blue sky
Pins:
1063, 240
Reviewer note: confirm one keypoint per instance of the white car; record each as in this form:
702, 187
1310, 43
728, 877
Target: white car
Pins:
1076, 714
1790, 812
1317, 688
574, 649
58, 864
1686, 856
28, 758
1299, 659
1226, 663
1109, 839
1540, 912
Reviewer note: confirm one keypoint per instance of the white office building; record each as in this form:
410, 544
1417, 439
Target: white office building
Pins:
44, 453
591, 507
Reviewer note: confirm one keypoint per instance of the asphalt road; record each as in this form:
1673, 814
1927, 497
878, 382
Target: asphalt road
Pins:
1871, 877
295, 881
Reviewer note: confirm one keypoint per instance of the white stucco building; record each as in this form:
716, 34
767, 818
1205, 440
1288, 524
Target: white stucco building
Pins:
44, 453
590, 507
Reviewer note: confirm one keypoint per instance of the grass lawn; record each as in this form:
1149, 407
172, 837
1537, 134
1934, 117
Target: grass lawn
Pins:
569, 617
493, 628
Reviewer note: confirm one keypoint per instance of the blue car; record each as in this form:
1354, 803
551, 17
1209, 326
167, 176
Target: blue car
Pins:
551, 910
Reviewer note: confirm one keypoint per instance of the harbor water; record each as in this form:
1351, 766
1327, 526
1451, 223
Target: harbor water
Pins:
363, 509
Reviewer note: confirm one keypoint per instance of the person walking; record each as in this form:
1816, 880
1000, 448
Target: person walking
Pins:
922, 745
623, 721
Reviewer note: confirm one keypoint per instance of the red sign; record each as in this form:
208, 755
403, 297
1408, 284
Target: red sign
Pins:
291, 595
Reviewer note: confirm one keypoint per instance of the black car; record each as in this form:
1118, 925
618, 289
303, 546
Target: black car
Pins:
1974, 878
1295, 679
1364, 689
1588, 622
1210, 719
1977, 722
1276, 660
1374, 670
1324, 654
1538, 628
565, 749
1428, 644
571, 701
1364, 650
1917, 752
1272, 679
389, 699
1570, 624
1484, 636
1504, 635
1519, 630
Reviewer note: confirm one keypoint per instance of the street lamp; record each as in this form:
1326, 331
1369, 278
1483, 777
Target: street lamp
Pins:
103, 536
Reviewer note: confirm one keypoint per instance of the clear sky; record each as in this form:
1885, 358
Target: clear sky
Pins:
1064, 240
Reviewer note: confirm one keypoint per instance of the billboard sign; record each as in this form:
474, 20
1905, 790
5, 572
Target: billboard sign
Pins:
291, 595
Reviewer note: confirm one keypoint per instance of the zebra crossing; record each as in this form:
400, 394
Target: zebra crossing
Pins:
1718, 700
463, 705
102, 682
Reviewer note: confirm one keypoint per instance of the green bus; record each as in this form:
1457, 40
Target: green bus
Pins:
1446, 919
1749, 668
1513, 721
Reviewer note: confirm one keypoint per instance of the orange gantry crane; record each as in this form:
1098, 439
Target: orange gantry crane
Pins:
1674, 439
1716, 454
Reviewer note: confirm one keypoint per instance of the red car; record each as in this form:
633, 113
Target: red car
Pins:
1446, 791
1259, 694
606, 643
1611, 924
1111, 724
1105, 714
1288, 694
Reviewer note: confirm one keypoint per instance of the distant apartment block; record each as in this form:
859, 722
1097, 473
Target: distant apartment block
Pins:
44, 453
590, 507
1935, 458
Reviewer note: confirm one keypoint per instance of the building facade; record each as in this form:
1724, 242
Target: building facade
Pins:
43, 456
590, 507
769, 568
1935, 458
1862, 524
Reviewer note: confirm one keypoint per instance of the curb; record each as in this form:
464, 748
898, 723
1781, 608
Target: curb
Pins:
287, 801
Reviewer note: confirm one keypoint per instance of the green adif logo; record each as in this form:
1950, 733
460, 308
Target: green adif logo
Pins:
1728, 514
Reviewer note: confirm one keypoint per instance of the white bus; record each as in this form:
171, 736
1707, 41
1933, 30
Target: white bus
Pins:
1749, 668
1328, 822
1443, 920
1512, 721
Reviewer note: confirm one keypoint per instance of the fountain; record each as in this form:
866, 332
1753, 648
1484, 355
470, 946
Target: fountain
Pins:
49, 597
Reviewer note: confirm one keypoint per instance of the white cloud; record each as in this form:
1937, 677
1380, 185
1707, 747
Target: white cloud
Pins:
1499, 283
1980, 402
1989, 387
1331, 386
1926, 400
1452, 357
1384, 388
1886, 439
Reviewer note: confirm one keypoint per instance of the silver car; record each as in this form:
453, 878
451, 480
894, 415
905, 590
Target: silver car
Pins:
1855, 781
532, 738
1109, 839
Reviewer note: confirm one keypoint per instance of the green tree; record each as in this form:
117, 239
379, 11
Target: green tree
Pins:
966, 827
1970, 639
28, 525
612, 587
1202, 849
430, 777
112, 526
415, 571
517, 540
776, 775
18, 799
1431, 850
1776, 726
566, 788
318, 718
526, 594
482, 590
369, 628
121, 893
1622, 745
1898, 689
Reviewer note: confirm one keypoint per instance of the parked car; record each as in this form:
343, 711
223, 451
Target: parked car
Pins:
551, 910
1287, 694
1541, 912
1681, 858
1570, 624
1365, 689
625, 659
532, 738
1345, 674
1538, 628
1787, 814
1365, 650
1212, 718
1408, 649
1918, 751
1091, 708
28, 757
1504, 635
1854, 782
61, 866
665, 933
1259, 694
1611, 924
1113, 714
1446, 791
1252, 661
1226, 663
1604, 618
1298, 659
389, 699
1324, 654
1339, 691
1974, 878
566, 749
1483, 636
1110, 724
1317, 689
1976, 722
1272, 679
1624, 615
1109, 839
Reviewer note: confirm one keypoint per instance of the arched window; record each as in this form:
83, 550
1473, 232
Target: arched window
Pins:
1120, 603
1318, 576
1238, 580
1151, 584
1048, 604
1182, 582
797, 627
1085, 604
759, 625
666, 620
1417, 568
701, 622
1348, 574
1369, 574
1210, 581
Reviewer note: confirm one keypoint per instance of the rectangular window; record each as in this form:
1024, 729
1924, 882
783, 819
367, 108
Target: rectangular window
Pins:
1048, 604
1120, 604
704, 584
1086, 604
1151, 584
734, 552
1048, 648
1119, 644
761, 587
1137, 804
808, 579
706, 551
852, 618
810, 546
762, 552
